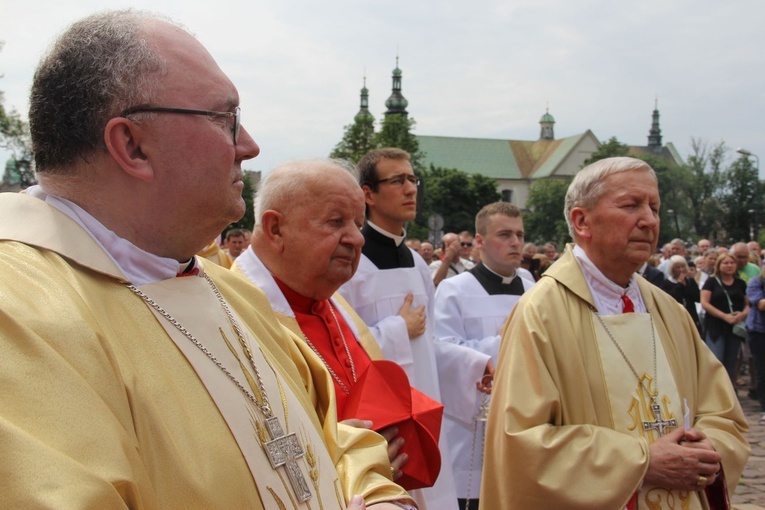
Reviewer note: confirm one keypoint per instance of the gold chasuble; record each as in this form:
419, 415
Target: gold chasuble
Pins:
566, 423
301, 467
107, 406
625, 343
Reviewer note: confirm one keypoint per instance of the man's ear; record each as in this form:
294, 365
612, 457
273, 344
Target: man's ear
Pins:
271, 224
580, 222
368, 198
123, 141
478, 240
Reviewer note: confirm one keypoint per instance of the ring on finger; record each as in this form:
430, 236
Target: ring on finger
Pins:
702, 480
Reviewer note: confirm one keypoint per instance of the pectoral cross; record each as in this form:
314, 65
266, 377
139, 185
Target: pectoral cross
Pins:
658, 424
283, 451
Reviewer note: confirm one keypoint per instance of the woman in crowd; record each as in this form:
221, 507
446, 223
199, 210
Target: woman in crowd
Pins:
755, 323
681, 286
723, 297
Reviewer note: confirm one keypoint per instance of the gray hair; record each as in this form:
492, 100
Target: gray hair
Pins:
676, 260
98, 67
288, 183
589, 186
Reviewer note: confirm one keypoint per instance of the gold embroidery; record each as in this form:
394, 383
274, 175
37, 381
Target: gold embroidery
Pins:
277, 498
338, 494
250, 381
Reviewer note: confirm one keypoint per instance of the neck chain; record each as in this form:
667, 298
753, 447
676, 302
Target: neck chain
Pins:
347, 352
262, 403
629, 363
658, 424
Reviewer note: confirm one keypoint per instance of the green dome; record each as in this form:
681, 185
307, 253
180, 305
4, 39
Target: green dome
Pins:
547, 119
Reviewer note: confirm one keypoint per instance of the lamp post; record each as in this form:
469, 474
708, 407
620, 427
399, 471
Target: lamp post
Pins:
672, 212
750, 154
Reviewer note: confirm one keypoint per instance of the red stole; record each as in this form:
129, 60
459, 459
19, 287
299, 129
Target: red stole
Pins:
318, 325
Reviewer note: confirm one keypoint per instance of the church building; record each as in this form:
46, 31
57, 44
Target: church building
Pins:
516, 164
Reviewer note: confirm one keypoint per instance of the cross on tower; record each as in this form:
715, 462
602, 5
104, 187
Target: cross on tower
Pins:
658, 424
284, 450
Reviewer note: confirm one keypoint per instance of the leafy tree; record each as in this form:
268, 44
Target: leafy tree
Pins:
14, 136
456, 196
544, 219
704, 187
358, 139
610, 149
396, 131
743, 194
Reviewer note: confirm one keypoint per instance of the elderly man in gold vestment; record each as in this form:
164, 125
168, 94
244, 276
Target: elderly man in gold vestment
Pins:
134, 374
605, 396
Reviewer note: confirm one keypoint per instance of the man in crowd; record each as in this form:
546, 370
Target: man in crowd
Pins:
605, 395
426, 251
551, 250
470, 310
703, 246
134, 374
746, 270
453, 262
392, 291
676, 247
235, 243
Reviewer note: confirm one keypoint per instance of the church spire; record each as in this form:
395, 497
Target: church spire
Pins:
396, 103
654, 135
364, 109
546, 124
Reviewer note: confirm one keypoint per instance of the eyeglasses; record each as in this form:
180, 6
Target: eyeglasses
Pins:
398, 181
465, 244
237, 115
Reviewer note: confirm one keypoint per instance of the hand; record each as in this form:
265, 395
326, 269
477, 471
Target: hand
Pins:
356, 503
395, 444
683, 460
486, 382
414, 317
452, 254
359, 424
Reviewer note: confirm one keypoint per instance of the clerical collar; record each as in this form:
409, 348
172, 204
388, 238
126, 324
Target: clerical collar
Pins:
397, 239
298, 302
495, 284
139, 266
607, 294
505, 279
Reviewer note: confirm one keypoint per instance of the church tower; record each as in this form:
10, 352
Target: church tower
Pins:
654, 135
396, 103
364, 109
546, 124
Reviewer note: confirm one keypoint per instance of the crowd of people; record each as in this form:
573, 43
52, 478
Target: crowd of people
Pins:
146, 367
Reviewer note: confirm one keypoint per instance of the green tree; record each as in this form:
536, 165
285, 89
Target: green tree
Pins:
358, 139
456, 196
610, 149
544, 220
14, 137
743, 194
396, 131
705, 188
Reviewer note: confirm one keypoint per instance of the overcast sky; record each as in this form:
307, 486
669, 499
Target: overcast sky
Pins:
484, 69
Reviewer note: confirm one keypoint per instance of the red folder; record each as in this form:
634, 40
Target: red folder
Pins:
383, 394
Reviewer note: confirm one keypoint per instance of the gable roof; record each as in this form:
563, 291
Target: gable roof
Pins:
500, 159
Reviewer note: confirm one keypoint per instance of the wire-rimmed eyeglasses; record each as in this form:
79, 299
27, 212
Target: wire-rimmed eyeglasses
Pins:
237, 115
398, 181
